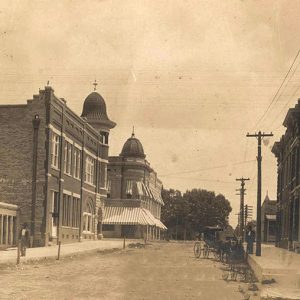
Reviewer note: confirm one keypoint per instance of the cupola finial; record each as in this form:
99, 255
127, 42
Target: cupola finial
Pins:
95, 85
132, 131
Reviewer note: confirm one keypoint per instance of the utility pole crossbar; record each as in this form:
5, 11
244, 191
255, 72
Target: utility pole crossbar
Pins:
260, 135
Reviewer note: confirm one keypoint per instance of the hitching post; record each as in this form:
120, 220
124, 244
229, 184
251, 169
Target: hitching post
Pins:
58, 253
18, 252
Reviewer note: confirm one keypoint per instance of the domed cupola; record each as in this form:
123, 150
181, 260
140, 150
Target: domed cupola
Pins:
133, 148
94, 111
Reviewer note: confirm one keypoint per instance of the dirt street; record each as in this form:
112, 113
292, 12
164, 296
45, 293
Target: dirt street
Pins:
161, 271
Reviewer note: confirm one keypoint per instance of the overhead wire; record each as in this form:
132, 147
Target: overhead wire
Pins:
205, 169
277, 92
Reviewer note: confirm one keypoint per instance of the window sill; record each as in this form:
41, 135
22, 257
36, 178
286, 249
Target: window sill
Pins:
67, 174
90, 184
68, 227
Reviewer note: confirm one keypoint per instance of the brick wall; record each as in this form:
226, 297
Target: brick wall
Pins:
16, 155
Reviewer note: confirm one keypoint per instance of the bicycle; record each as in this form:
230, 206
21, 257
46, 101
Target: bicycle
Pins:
201, 248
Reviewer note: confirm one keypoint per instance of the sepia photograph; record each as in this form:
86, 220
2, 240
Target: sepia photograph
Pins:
150, 149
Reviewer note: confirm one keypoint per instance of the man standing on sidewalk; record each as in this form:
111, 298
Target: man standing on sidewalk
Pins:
24, 236
250, 239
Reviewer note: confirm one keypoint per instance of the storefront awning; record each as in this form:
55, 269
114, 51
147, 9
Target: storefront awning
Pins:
130, 216
156, 195
156, 221
124, 216
271, 217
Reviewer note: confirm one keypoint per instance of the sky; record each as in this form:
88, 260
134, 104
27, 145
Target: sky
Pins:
193, 77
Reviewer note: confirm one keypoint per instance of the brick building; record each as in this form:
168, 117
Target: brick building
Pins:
133, 204
287, 152
53, 165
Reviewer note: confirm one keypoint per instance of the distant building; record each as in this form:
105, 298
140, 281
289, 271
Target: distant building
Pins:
268, 220
133, 204
53, 165
287, 152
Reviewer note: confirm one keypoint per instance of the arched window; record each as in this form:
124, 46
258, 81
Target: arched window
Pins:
88, 217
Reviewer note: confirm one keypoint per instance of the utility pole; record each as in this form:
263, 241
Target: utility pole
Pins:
260, 135
246, 216
238, 226
242, 197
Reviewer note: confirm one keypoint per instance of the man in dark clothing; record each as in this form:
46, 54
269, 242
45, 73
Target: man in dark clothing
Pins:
250, 240
24, 237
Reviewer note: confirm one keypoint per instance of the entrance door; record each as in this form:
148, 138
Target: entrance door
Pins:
54, 217
128, 231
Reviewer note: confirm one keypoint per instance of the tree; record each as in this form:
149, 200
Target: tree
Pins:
207, 209
187, 214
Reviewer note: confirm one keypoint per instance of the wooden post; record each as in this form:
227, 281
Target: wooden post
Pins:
18, 252
260, 135
58, 253
124, 245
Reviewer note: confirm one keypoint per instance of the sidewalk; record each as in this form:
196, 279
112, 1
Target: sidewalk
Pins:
280, 266
9, 256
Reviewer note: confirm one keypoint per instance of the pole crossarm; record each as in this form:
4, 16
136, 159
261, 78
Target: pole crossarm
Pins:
260, 134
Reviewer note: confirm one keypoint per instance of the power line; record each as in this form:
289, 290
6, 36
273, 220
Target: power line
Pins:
292, 97
273, 99
209, 168
285, 88
204, 180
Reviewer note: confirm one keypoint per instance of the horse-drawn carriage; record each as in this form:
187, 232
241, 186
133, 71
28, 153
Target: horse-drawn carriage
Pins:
216, 240
225, 247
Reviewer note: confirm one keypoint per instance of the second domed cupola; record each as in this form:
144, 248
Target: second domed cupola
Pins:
133, 148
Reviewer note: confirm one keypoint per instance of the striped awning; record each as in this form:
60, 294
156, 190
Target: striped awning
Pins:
156, 221
124, 216
156, 195
130, 216
161, 225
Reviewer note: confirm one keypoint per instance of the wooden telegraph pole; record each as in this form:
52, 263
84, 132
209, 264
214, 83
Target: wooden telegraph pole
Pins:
242, 197
260, 135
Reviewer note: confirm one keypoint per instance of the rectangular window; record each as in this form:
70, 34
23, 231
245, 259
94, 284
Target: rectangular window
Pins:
67, 210
104, 137
108, 188
75, 212
77, 163
103, 175
68, 158
55, 142
129, 189
89, 170
108, 227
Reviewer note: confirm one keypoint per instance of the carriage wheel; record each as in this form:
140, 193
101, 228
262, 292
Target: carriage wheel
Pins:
197, 250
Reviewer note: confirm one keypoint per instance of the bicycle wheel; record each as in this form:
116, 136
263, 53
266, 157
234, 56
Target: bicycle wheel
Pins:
197, 250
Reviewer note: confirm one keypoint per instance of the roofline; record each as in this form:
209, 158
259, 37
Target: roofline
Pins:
13, 105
